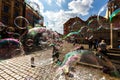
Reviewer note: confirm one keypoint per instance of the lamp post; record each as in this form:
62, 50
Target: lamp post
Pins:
111, 35
110, 10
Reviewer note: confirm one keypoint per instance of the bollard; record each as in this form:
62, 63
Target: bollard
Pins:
32, 62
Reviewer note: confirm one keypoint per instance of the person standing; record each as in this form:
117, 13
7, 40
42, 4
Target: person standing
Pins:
103, 47
55, 52
90, 43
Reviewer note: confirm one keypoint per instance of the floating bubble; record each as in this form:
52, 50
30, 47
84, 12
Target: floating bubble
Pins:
10, 30
16, 35
114, 18
34, 5
88, 36
32, 34
44, 34
103, 21
40, 22
21, 22
36, 30
83, 29
29, 42
9, 41
75, 25
2, 26
70, 34
16, 52
0, 37
7, 46
93, 24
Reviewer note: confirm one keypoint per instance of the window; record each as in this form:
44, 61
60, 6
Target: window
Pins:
16, 14
118, 34
6, 9
17, 3
5, 19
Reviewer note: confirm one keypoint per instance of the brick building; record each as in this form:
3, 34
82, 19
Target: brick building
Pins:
73, 24
33, 16
9, 10
114, 5
111, 36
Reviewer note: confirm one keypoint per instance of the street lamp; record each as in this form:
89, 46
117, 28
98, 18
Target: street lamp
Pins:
110, 10
111, 35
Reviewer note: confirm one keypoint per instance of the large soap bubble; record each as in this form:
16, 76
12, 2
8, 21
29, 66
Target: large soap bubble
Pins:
34, 5
103, 21
10, 30
2, 26
93, 25
21, 22
86, 32
10, 47
115, 19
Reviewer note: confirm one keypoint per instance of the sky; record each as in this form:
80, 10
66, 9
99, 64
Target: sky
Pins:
57, 12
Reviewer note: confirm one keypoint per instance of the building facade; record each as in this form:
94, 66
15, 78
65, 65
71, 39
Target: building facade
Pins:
114, 5
111, 36
9, 10
73, 24
33, 16
92, 24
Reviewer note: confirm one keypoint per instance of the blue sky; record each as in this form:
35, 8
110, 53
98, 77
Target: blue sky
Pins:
57, 12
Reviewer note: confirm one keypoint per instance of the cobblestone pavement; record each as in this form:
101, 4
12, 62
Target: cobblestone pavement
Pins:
19, 68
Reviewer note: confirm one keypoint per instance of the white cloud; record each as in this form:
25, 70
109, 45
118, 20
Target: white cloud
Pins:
59, 2
55, 20
80, 6
76, 7
37, 5
49, 2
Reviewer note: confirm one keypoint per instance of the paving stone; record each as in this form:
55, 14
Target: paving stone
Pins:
24, 75
22, 79
1, 72
19, 77
2, 79
8, 78
12, 79
13, 74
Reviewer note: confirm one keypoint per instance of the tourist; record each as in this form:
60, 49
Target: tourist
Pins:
103, 47
95, 43
90, 43
55, 52
75, 42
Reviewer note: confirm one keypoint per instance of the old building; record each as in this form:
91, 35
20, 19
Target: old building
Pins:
73, 24
33, 16
111, 36
113, 6
92, 24
9, 10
